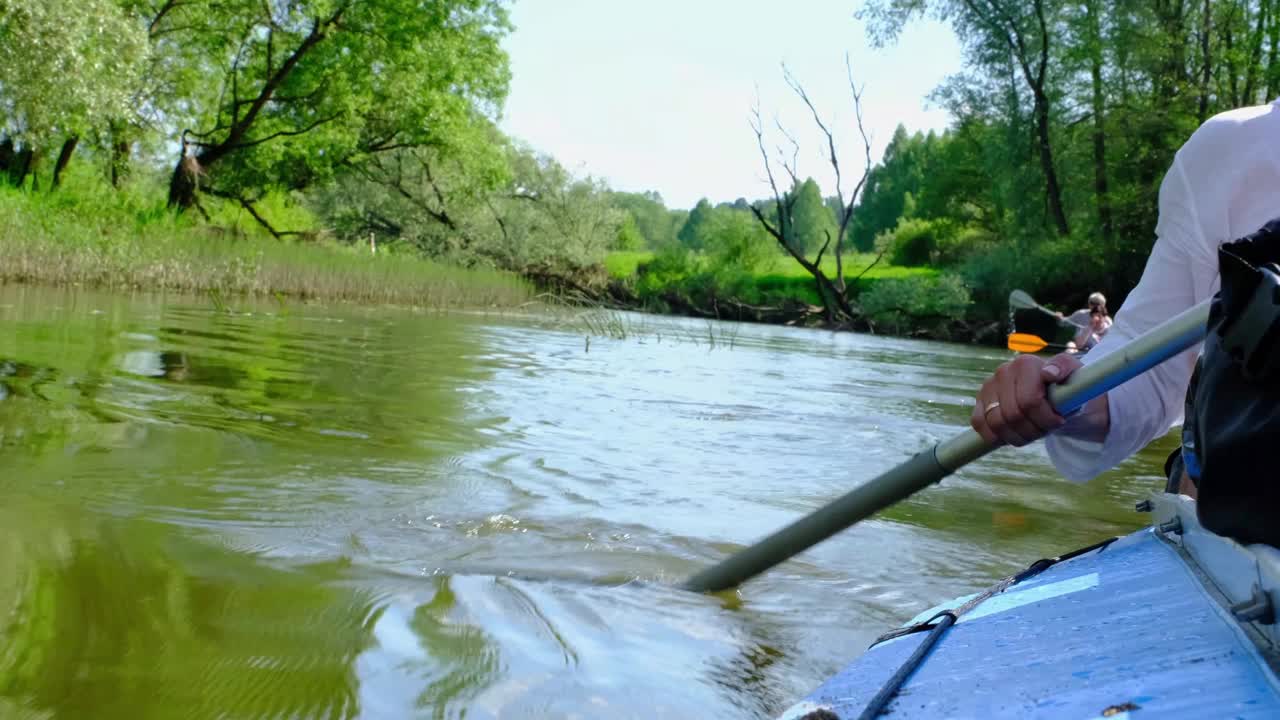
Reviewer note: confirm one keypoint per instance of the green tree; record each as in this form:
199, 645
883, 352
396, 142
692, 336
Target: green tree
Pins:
960, 177
1000, 35
813, 222
438, 199
629, 237
550, 221
677, 218
317, 86
497, 204
900, 172
175, 88
734, 240
693, 233
68, 65
652, 218
1106, 92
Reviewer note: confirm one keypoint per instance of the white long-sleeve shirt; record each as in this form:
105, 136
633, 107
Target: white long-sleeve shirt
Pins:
1224, 184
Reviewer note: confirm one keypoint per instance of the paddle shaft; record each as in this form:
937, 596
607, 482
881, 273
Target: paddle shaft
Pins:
1025, 343
1064, 320
930, 466
1023, 301
1046, 346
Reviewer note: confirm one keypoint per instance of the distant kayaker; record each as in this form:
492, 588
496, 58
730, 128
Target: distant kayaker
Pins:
1223, 184
1091, 323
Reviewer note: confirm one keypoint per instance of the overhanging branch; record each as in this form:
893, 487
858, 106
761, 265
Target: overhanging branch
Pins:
284, 133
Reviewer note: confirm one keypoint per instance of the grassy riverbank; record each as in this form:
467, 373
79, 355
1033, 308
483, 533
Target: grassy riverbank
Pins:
896, 299
622, 264
97, 237
777, 279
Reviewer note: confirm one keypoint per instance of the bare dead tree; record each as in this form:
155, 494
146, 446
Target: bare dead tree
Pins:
834, 293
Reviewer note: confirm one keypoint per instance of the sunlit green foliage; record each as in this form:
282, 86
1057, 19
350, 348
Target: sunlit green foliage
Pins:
623, 264
657, 224
551, 219
629, 237
327, 84
693, 233
899, 305
898, 176
1065, 119
66, 67
733, 239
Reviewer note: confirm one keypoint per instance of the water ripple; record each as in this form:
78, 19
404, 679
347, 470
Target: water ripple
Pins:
342, 512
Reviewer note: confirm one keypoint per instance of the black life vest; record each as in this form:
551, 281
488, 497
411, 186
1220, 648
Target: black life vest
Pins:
1231, 431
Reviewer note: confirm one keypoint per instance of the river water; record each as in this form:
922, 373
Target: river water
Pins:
284, 510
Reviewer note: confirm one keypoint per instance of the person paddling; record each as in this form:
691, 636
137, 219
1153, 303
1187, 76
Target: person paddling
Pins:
1091, 323
1223, 186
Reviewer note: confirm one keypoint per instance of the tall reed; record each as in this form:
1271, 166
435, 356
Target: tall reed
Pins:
72, 238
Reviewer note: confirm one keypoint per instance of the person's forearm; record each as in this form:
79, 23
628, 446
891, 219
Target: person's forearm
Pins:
1092, 422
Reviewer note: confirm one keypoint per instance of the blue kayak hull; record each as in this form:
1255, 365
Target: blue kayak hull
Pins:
1128, 630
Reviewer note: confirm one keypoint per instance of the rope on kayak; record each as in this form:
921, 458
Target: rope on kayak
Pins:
1032, 570
890, 689
940, 623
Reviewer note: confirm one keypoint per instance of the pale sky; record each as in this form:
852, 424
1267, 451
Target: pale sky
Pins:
655, 94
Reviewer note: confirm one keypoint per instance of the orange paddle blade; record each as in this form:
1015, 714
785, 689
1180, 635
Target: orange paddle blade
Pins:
1026, 343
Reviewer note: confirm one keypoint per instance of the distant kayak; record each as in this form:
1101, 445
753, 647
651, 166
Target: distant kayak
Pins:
1171, 622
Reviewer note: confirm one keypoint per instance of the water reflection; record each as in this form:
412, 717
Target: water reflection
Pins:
428, 658
107, 619
21, 379
344, 512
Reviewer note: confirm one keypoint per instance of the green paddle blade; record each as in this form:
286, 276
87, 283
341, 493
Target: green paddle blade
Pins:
1022, 300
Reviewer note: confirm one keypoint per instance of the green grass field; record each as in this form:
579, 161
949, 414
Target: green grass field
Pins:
622, 264
783, 277
853, 265
98, 237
